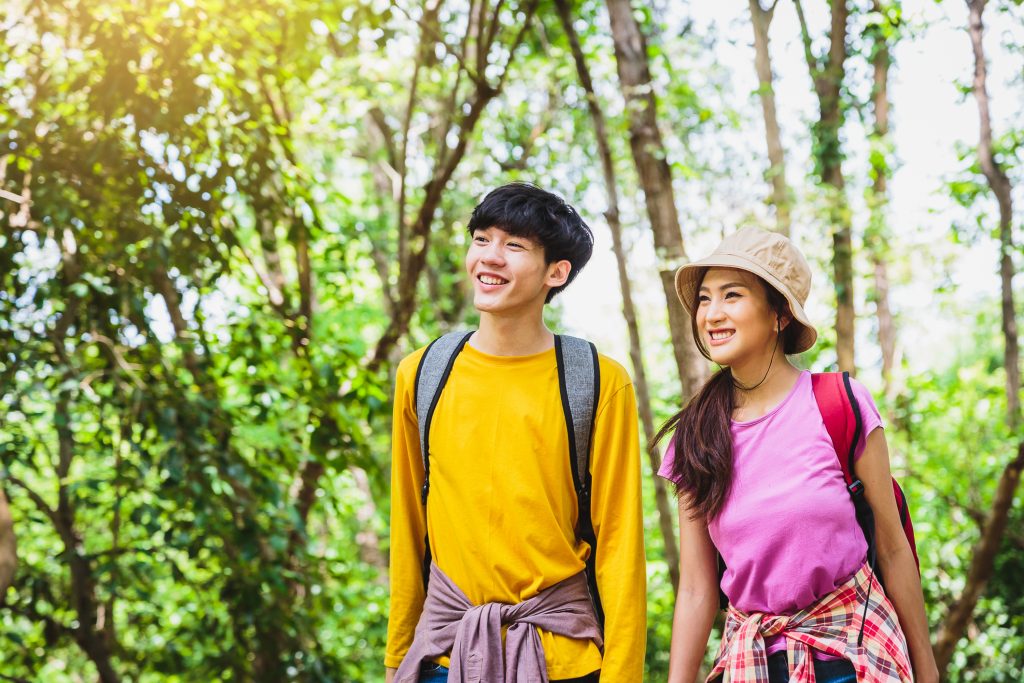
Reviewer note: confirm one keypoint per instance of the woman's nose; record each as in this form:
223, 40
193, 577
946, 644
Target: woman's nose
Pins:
713, 311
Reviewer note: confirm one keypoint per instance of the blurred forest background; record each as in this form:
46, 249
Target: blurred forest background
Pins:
223, 223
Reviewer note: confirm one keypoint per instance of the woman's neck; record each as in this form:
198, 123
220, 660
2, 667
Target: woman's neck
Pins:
767, 389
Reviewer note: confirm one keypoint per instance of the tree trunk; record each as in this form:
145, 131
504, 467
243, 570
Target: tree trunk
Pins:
1001, 188
656, 181
878, 201
628, 309
761, 19
828, 75
8, 546
983, 557
984, 554
93, 641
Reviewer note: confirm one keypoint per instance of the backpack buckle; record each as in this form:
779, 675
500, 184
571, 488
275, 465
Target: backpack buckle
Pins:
856, 489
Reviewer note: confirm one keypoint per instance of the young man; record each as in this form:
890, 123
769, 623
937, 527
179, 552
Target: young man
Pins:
501, 513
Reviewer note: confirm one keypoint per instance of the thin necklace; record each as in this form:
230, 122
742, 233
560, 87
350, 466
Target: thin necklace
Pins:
772, 360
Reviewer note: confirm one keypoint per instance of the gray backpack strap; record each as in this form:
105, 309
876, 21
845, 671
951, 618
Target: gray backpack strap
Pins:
579, 380
431, 375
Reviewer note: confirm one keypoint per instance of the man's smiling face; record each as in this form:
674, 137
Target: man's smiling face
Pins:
509, 272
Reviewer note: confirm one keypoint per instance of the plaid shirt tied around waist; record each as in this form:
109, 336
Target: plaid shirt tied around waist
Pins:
830, 625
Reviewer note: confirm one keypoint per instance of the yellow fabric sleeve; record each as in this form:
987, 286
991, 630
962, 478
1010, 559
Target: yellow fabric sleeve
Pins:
617, 513
408, 522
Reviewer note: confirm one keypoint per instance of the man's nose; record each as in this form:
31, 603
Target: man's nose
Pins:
493, 253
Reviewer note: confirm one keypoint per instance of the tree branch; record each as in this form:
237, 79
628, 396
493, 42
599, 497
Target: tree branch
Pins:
409, 276
812, 62
425, 58
274, 294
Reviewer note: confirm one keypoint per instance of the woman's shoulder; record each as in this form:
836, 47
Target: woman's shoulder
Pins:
868, 410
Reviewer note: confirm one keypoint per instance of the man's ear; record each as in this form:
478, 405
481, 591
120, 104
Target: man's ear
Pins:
558, 273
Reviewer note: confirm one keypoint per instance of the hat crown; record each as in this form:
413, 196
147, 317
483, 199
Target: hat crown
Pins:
775, 253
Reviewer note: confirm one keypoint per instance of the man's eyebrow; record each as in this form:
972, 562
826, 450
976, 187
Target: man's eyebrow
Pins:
726, 286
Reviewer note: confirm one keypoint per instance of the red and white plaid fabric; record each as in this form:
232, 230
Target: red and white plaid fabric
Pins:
831, 625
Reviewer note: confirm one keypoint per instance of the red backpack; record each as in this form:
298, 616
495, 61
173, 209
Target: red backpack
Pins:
841, 414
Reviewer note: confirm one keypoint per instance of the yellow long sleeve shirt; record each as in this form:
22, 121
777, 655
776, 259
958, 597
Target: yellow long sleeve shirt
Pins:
502, 508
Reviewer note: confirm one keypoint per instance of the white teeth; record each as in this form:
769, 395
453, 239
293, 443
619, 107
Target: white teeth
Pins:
488, 280
720, 335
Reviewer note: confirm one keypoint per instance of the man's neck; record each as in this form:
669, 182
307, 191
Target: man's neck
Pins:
511, 336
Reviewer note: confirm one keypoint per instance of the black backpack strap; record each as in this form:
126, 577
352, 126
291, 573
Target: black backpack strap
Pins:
865, 516
861, 507
431, 375
723, 599
858, 424
579, 381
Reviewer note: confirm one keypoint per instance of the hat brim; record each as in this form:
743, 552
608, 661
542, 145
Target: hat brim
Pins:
689, 277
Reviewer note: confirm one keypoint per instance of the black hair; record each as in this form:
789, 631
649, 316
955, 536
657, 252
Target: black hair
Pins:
525, 210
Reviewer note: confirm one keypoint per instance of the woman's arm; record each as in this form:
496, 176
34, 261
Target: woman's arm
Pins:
895, 558
696, 601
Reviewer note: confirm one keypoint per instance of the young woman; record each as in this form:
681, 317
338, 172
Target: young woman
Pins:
760, 485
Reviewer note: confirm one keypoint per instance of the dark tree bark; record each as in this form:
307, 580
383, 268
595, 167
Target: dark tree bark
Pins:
984, 554
656, 181
1001, 188
92, 639
761, 20
827, 74
628, 309
878, 200
8, 546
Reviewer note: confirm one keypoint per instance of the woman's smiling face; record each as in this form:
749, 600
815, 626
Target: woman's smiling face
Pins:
734, 318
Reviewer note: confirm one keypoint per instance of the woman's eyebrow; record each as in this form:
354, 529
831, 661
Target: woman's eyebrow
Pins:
705, 288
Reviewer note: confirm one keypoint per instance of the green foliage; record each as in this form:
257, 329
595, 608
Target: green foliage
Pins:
194, 437
949, 445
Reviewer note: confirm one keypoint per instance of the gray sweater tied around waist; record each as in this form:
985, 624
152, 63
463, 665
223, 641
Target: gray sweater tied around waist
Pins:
472, 633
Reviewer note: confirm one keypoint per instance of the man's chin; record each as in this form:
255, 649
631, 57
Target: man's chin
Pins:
502, 308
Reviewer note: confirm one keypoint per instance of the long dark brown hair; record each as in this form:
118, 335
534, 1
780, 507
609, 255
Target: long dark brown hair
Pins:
701, 435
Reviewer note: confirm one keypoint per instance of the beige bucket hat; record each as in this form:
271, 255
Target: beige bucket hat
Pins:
769, 255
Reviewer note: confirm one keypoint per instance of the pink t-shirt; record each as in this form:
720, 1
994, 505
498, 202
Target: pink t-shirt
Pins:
787, 530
